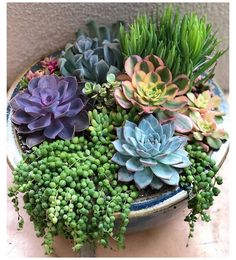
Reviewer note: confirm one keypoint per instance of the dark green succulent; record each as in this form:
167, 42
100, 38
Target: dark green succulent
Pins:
93, 55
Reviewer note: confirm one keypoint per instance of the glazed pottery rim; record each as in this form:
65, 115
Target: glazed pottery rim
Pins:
142, 206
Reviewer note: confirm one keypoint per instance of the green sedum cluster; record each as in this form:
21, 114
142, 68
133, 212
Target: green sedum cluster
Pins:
102, 93
70, 188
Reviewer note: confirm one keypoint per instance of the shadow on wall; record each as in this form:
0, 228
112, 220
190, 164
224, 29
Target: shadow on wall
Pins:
35, 29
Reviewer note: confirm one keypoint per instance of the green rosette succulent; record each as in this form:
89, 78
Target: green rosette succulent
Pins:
102, 94
148, 85
94, 55
206, 129
204, 102
149, 153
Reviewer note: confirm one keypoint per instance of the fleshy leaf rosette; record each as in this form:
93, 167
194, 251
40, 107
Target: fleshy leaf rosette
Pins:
205, 126
50, 64
149, 86
30, 75
204, 102
149, 153
93, 56
49, 107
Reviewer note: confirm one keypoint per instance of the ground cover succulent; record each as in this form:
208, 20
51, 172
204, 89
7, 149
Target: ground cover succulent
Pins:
102, 94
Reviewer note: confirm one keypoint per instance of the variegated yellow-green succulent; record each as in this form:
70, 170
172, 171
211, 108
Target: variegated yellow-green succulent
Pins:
205, 126
204, 102
149, 86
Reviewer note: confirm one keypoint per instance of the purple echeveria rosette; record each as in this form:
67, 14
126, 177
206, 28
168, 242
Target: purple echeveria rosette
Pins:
50, 107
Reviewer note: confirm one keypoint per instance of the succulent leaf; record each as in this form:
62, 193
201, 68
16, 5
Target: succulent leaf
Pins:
133, 164
175, 104
118, 146
129, 150
120, 159
124, 175
143, 178
148, 162
130, 64
183, 83
121, 99
174, 180
182, 123
171, 159
213, 142
163, 171
156, 183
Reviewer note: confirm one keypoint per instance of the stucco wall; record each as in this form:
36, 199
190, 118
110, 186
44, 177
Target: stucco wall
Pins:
35, 29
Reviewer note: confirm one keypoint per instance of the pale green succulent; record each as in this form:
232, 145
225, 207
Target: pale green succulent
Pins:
149, 153
102, 94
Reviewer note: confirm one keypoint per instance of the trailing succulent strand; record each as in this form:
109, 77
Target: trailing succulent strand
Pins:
200, 179
70, 188
187, 45
94, 55
149, 153
149, 86
50, 107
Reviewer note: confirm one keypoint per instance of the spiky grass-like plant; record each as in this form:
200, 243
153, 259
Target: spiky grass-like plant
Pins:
187, 45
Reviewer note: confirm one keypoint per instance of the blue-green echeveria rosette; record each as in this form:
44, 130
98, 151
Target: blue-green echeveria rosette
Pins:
92, 57
149, 153
50, 107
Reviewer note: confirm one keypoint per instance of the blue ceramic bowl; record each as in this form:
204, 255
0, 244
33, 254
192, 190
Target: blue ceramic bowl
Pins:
146, 212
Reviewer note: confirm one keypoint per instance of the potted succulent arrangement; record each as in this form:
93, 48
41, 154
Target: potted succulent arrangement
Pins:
118, 127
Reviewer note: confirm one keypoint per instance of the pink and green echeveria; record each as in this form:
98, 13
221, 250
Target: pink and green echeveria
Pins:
205, 127
149, 86
204, 102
